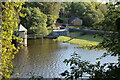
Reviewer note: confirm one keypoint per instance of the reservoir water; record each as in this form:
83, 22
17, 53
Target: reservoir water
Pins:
44, 57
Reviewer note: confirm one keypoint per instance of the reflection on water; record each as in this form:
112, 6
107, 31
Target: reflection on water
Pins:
45, 57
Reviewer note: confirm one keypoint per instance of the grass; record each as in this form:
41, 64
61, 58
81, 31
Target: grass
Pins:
77, 27
64, 18
80, 42
73, 27
88, 37
91, 38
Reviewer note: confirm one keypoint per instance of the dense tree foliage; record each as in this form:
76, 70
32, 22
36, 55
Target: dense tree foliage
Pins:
52, 11
35, 21
90, 12
108, 23
10, 20
111, 41
39, 16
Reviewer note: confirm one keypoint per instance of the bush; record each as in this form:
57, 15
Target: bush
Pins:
107, 71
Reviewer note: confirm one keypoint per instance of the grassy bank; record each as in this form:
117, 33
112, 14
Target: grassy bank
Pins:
80, 42
88, 37
77, 27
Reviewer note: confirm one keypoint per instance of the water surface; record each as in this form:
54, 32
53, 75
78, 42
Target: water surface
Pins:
44, 57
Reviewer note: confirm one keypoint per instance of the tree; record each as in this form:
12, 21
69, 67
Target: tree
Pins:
78, 68
35, 21
10, 20
90, 12
111, 42
109, 21
51, 9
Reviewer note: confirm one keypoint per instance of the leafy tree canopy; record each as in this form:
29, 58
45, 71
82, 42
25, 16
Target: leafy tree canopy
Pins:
51, 9
35, 21
90, 12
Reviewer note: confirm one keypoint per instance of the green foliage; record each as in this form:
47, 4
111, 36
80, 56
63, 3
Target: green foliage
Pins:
51, 9
39, 15
10, 20
78, 68
109, 21
107, 71
35, 21
34, 77
111, 41
90, 12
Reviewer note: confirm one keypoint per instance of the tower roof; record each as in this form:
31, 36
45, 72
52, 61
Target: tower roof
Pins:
21, 28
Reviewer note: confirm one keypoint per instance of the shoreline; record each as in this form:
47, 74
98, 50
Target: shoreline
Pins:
80, 42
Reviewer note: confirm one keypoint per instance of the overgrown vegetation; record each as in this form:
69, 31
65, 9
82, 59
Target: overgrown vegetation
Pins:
10, 20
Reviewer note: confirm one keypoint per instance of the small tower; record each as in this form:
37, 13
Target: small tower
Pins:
22, 32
